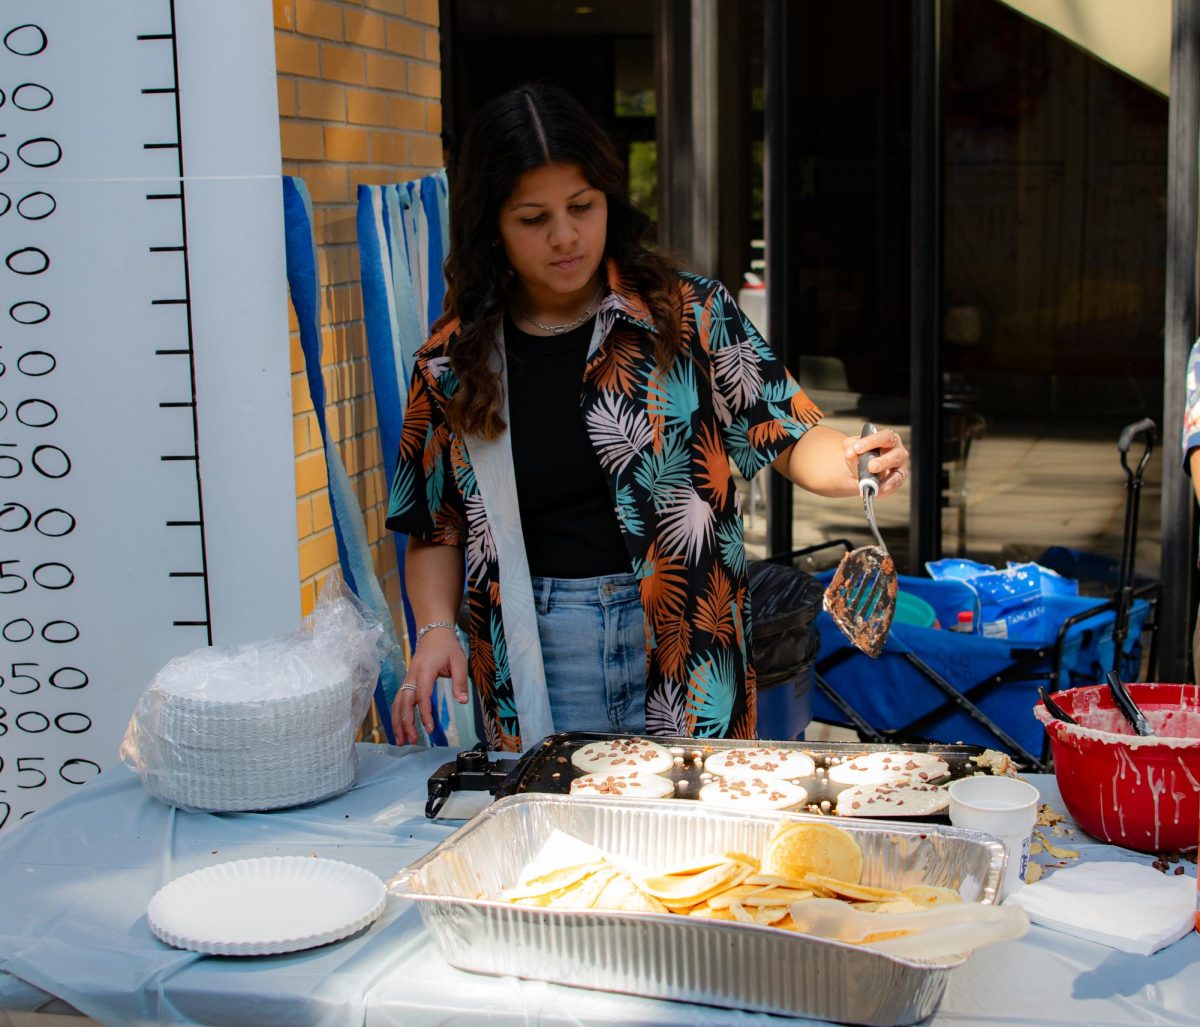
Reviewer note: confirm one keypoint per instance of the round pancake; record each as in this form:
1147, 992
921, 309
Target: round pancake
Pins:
753, 793
763, 762
904, 799
888, 767
811, 847
635, 783
622, 754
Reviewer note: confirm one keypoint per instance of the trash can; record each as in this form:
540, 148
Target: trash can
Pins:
784, 602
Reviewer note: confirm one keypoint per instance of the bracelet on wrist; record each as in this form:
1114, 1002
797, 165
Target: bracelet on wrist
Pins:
429, 627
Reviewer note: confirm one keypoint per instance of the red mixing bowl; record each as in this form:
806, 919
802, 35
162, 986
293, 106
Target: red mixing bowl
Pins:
1141, 793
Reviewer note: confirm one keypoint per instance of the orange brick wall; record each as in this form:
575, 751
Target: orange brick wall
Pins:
359, 101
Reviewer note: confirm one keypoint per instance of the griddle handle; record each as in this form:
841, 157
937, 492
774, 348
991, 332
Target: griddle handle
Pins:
439, 792
472, 760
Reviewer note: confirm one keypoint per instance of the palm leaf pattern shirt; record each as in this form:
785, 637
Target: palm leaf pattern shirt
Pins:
665, 440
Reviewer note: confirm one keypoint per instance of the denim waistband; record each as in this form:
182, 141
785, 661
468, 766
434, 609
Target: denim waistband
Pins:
605, 590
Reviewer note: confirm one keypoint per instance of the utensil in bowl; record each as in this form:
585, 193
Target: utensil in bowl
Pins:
1127, 706
1134, 791
1056, 711
940, 931
861, 597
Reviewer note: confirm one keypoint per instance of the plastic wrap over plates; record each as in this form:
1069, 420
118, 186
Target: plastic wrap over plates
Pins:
261, 907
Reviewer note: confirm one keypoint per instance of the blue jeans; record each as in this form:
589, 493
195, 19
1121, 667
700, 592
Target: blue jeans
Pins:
594, 650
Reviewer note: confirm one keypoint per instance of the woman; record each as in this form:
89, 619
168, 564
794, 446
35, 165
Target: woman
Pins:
566, 447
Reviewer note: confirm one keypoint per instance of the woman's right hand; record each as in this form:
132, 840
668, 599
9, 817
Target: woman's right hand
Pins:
438, 655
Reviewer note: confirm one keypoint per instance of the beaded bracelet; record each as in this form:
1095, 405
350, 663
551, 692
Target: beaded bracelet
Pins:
429, 627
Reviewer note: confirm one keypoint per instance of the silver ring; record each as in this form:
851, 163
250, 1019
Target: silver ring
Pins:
408, 686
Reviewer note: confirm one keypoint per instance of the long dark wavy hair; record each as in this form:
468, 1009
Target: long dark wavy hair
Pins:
526, 128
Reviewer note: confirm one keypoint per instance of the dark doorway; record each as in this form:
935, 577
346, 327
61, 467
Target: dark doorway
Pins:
603, 54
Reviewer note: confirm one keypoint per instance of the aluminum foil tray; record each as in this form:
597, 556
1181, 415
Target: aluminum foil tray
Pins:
685, 959
547, 767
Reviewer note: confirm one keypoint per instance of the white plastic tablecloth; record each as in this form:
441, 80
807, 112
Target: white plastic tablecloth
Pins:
76, 878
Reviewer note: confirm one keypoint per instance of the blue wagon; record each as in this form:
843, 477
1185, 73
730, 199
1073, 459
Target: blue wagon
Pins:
935, 685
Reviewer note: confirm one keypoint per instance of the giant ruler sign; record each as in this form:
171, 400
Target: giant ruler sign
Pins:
146, 478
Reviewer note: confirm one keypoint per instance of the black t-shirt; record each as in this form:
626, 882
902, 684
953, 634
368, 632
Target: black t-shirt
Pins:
567, 514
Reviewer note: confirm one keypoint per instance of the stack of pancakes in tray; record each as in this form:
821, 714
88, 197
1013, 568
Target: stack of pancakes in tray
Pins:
802, 861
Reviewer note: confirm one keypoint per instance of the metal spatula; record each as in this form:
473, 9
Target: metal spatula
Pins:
861, 598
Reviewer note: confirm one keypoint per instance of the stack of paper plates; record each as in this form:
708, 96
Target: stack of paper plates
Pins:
209, 750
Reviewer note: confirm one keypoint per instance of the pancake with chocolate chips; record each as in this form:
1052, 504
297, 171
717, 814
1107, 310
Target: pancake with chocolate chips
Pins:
619, 755
890, 767
904, 799
762, 761
753, 793
636, 783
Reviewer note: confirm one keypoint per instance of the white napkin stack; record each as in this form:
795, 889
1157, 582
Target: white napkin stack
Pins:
1126, 906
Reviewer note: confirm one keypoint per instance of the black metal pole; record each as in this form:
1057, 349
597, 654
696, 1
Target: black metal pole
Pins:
925, 497
777, 214
675, 131
1145, 430
1178, 540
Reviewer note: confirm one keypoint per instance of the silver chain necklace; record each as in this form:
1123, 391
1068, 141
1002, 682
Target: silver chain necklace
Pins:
562, 328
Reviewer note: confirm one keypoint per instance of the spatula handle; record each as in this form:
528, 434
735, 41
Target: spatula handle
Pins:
1054, 709
1127, 706
866, 480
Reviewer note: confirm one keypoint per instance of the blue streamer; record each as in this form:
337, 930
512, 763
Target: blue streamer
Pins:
401, 228
437, 282
353, 552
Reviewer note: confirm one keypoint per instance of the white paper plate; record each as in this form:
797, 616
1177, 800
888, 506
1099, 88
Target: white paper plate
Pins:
259, 907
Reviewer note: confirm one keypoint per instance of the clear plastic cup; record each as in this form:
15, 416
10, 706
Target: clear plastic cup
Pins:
1004, 807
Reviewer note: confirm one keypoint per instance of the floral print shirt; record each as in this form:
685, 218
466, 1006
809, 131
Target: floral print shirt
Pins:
665, 441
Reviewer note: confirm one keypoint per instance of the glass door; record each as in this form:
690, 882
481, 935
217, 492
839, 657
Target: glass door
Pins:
1054, 181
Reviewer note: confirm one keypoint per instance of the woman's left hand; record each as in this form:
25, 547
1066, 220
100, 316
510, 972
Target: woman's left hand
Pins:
889, 465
